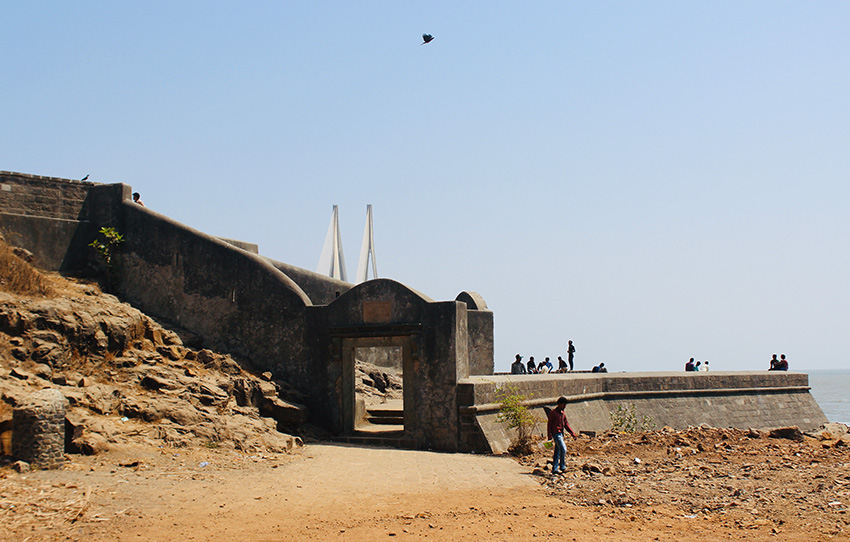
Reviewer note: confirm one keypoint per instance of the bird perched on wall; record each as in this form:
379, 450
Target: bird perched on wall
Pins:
426, 38
84, 178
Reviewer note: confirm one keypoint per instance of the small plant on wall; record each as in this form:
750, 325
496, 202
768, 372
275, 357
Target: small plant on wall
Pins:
625, 420
106, 246
516, 415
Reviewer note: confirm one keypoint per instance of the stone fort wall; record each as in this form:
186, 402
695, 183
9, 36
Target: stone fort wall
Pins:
53, 218
234, 300
265, 312
757, 399
272, 314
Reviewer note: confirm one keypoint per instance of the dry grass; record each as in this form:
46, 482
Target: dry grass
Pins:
19, 277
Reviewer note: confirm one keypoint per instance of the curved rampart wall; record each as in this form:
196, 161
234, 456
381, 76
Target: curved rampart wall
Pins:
321, 289
758, 399
234, 300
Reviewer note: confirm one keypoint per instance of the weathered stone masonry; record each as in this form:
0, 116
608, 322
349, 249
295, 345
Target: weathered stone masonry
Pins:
759, 399
38, 424
304, 327
272, 314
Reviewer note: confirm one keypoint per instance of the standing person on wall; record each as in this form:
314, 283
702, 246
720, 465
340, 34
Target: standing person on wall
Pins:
555, 431
571, 351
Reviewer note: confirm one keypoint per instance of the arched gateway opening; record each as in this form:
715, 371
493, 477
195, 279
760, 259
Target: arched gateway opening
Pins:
385, 355
405, 340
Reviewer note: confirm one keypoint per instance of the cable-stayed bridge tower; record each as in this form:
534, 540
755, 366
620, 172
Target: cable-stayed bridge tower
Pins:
332, 260
367, 249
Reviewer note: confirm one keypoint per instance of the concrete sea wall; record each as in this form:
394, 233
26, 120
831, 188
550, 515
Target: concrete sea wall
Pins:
758, 399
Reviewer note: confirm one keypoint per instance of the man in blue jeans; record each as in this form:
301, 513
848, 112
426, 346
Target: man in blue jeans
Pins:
555, 428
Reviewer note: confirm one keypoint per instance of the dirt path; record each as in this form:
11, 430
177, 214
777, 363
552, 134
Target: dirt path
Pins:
329, 492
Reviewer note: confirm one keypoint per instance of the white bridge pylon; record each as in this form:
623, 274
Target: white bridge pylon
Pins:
332, 260
367, 248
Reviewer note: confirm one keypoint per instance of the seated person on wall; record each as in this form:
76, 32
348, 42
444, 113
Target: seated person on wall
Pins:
562, 365
517, 367
698, 366
773, 363
545, 366
782, 365
599, 368
532, 368
689, 366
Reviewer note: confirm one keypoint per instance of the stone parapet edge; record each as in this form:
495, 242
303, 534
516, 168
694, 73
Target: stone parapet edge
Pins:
491, 407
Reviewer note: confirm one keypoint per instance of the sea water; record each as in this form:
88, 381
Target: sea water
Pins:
831, 389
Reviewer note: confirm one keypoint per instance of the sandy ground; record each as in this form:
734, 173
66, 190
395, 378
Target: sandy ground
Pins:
333, 492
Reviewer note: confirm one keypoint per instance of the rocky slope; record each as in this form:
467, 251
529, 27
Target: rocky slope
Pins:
128, 378
737, 479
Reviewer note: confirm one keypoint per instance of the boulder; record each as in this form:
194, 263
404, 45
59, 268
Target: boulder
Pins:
230, 366
101, 398
247, 392
183, 414
50, 353
91, 444
10, 321
154, 382
47, 336
23, 254
209, 394
20, 374
791, 433
268, 389
153, 333
170, 338
286, 414
74, 429
829, 431
143, 409
172, 352
207, 357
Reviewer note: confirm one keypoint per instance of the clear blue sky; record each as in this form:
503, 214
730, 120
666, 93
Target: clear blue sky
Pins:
654, 180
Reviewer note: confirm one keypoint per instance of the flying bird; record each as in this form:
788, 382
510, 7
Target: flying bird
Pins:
426, 38
84, 178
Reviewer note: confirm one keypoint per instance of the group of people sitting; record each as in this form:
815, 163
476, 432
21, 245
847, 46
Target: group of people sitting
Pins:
780, 364
545, 366
698, 366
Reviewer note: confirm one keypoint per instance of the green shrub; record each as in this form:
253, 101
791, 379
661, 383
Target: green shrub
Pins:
106, 246
516, 415
625, 420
